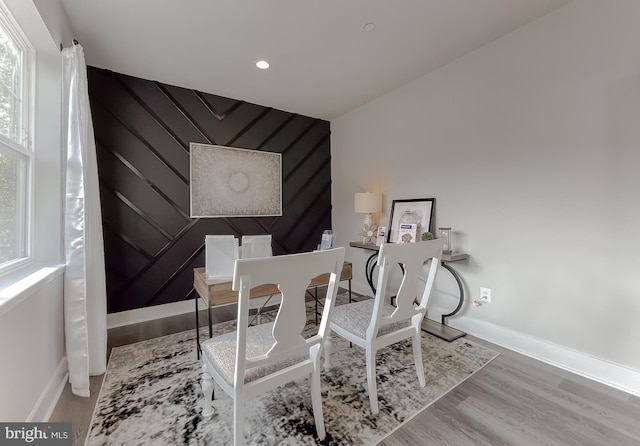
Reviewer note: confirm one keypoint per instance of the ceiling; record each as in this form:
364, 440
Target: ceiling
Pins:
323, 61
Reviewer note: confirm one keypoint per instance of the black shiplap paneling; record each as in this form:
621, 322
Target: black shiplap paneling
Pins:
143, 130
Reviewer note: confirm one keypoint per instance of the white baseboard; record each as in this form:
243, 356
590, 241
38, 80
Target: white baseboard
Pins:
605, 372
51, 394
150, 313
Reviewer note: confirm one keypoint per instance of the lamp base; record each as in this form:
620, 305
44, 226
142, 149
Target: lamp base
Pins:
369, 230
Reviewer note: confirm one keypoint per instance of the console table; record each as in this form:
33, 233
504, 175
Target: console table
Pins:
441, 330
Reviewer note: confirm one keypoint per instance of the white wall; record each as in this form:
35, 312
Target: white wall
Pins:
33, 367
33, 364
531, 146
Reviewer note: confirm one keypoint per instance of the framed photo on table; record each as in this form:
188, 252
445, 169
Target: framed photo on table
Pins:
417, 211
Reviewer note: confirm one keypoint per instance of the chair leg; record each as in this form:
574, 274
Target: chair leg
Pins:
316, 399
207, 390
327, 351
371, 380
417, 356
238, 421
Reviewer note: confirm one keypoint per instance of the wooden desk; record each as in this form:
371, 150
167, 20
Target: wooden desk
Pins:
216, 292
441, 330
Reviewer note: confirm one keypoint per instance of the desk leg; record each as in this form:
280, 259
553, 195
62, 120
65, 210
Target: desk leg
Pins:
441, 330
210, 317
315, 297
197, 328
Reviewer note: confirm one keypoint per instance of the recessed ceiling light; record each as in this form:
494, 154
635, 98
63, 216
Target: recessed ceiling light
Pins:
262, 64
369, 26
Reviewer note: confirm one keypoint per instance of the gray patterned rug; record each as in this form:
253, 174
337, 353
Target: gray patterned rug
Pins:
152, 396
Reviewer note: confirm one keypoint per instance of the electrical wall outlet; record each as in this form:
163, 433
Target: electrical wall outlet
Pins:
485, 295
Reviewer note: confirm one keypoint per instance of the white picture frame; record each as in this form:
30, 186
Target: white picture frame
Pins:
234, 182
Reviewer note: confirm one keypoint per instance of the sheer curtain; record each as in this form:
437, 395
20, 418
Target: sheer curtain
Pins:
85, 303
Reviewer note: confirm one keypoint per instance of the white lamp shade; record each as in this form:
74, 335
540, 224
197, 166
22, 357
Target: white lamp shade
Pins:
368, 203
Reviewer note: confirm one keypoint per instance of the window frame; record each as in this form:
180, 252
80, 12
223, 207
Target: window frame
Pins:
23, 147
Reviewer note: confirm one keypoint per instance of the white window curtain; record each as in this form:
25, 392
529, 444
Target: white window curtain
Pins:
85, 302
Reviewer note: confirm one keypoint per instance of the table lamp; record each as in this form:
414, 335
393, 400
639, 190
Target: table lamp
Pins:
368, 203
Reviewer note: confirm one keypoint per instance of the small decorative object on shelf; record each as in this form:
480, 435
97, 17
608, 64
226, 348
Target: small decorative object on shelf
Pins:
407, 233
426, 236
326, 242
445, 233
368, 233
382, 235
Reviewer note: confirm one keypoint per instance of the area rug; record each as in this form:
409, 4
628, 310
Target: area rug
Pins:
152, 395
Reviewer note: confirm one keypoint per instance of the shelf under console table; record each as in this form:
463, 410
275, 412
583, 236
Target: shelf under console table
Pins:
441, 330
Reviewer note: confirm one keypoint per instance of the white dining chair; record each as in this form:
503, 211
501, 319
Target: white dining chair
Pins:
256, 246
375, 323
221, 252
255, 359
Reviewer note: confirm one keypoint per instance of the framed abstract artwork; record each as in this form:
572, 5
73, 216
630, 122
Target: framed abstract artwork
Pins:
234, 182
418, 211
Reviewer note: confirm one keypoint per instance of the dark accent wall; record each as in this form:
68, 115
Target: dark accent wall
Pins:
143, 129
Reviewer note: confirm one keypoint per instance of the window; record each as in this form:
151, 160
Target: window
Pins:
16, 156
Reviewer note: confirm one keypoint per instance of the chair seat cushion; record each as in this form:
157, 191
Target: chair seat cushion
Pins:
220, 352
356, 317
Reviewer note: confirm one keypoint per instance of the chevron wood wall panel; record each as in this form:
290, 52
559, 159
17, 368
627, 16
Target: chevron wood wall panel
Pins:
143, 130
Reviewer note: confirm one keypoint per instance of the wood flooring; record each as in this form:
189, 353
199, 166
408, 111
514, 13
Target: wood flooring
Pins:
514, 400
517, 400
